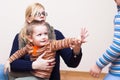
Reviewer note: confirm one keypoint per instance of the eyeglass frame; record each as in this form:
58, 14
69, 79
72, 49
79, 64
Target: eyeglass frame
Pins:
41, 13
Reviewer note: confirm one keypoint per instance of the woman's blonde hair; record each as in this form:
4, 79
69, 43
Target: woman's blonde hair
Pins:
29, 14
32, 9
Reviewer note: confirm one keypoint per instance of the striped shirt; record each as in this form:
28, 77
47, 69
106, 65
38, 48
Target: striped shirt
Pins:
112, 53
50, 48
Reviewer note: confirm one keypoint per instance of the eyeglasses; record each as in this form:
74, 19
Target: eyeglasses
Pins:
39, 14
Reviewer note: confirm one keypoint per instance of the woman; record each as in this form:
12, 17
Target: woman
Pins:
71, 57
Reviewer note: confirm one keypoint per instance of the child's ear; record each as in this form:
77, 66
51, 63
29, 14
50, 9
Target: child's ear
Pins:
29, 38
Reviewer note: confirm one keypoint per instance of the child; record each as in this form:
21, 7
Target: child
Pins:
37, 34
112, 54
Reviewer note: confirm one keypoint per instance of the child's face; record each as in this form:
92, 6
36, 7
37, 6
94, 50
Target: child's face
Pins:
117, 2
40, 35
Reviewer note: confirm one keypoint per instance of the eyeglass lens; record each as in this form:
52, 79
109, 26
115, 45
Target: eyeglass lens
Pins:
39, 14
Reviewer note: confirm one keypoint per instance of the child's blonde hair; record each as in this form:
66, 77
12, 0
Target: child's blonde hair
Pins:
29, 28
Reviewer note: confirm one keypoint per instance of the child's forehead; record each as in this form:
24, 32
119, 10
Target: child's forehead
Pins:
40, 26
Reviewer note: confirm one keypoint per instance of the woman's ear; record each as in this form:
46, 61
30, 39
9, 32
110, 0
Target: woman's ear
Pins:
29, 19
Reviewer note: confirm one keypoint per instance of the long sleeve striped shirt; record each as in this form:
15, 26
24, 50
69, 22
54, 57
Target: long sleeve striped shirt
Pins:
112, 53
50, 49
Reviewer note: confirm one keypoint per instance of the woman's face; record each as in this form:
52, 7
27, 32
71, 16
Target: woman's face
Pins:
40, 15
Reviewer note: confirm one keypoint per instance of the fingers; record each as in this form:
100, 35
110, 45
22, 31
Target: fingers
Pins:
95, 71
84, 34
49, 66
51, 62
94, 74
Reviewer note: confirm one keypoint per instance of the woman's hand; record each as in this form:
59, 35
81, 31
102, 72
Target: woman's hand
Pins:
43, 64
78, 42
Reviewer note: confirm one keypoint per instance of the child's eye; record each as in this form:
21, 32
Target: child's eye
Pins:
46, 33
39, 34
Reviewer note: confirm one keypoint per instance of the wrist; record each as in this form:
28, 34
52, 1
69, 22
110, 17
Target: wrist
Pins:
76, 51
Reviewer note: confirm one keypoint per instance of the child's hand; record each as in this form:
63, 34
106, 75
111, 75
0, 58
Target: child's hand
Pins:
95, 71
7, 67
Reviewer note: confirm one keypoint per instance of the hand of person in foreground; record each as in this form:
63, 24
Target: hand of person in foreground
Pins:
95, 71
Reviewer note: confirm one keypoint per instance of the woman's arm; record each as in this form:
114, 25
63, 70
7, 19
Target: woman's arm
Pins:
16, 65
67, 54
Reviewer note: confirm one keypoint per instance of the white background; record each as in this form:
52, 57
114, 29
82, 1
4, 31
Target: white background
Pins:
67, 16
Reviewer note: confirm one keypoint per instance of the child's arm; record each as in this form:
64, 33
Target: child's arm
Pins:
16, 55
112, 52
70, 42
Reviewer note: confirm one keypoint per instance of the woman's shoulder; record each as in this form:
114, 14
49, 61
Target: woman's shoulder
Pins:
57, 31
16, 36
59, 34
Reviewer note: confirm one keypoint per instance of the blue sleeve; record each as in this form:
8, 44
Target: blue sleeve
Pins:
2, 75
67, 54
113, 51
16, 65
